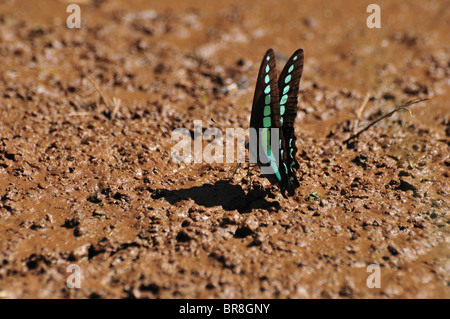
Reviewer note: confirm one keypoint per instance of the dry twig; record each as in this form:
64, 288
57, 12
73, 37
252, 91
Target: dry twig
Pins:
360, 112
398, 108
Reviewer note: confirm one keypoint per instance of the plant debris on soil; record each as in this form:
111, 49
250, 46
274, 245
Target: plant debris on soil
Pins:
87, 178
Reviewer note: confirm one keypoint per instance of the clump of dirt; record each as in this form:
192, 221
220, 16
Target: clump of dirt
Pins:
90, 181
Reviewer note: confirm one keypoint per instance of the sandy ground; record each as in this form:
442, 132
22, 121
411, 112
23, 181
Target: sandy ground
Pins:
90, 182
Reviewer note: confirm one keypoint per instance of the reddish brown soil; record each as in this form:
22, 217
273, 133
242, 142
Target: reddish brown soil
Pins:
83, 184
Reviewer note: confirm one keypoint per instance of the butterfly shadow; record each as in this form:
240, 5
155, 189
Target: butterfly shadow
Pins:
222, 193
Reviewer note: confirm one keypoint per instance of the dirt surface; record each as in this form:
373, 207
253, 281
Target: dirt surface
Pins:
92, 184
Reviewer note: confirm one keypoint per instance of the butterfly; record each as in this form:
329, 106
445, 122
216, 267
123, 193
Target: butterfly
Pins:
272, 119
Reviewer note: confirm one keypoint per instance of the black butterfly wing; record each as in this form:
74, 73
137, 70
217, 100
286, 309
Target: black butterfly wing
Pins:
266, 121
288, 86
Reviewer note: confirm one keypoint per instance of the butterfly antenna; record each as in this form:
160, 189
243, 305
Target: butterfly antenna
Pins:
221, 126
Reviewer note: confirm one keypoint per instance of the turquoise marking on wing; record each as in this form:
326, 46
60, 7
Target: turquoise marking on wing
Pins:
268, 58
282, 109
267, 99
286, 89
291, 68
265, 140
295, 58
277, 173
267, 89
273, 164
267, 79
287, 79
267, 122
267, 110
284, 99
267, 68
